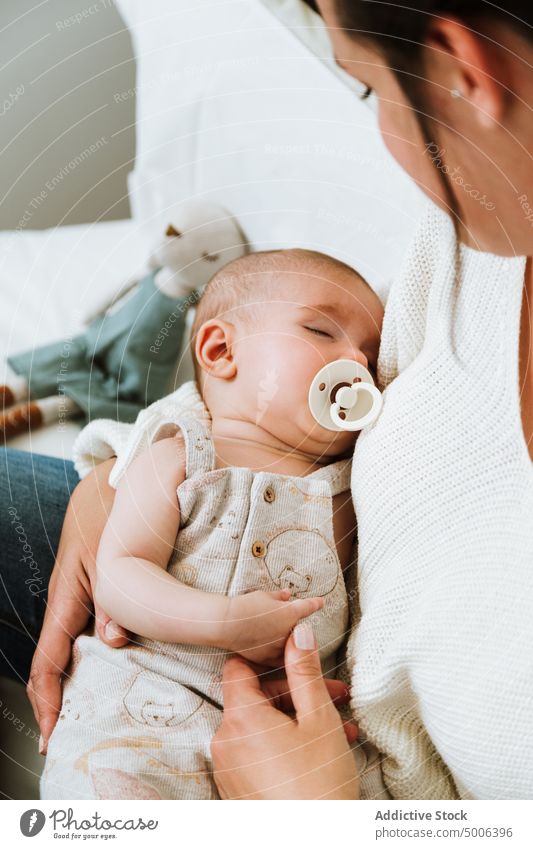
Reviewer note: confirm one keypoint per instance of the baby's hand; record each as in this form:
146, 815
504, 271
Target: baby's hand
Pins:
258, 623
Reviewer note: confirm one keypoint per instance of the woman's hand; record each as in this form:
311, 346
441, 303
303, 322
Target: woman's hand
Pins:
259, 752
70, 597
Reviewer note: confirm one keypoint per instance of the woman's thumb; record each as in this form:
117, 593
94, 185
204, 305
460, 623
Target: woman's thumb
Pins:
304, 673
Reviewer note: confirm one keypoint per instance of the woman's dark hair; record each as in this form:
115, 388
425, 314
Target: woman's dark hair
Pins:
398, 30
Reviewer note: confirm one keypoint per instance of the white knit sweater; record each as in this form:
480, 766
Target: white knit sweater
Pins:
443, 490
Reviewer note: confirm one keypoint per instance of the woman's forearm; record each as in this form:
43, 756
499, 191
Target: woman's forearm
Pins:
146, 600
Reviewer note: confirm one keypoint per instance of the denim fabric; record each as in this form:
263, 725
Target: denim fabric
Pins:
34, 493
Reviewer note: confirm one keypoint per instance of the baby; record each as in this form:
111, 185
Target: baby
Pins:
222, 536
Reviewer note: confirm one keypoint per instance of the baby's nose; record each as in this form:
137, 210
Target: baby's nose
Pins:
354, 354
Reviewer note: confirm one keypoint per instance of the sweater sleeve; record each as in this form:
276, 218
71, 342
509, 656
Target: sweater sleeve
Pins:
99, 441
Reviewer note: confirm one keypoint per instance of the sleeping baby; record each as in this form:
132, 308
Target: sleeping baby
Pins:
224, 533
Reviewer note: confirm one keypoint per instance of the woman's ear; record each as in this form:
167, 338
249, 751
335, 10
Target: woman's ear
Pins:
214, 348
466, 62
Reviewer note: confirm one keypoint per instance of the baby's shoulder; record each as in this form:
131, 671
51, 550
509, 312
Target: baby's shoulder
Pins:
163, 458
171, 451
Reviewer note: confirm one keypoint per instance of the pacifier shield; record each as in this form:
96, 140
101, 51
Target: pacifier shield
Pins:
342, 396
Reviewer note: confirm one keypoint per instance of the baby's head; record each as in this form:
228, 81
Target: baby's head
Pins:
264, 326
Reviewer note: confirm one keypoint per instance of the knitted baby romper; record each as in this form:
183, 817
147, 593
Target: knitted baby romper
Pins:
136, 722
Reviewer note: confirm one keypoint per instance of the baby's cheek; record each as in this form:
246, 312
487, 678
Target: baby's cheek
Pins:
302, 360
278, 372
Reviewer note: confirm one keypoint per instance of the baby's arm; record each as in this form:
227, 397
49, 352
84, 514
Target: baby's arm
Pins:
134, 588
132, 584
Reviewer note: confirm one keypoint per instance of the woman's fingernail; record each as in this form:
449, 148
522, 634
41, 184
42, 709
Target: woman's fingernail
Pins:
112, 631
304, 637
41, 744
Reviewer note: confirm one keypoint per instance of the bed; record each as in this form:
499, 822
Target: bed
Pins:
237, 101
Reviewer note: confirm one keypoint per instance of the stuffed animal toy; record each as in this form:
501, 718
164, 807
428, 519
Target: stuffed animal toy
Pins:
128, 354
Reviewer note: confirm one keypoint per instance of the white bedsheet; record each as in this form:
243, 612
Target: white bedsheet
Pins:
49, 280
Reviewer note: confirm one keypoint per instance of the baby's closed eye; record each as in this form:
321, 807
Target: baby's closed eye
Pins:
318, 331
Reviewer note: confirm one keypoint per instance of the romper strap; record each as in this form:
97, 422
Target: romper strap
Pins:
338, 474
199, 448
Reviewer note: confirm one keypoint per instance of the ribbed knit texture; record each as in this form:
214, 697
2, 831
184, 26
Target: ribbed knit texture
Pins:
443, 490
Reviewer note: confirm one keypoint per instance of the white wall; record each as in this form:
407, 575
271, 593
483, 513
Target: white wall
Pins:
67, 142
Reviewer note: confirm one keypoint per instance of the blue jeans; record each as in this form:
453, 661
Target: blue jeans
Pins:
34, 493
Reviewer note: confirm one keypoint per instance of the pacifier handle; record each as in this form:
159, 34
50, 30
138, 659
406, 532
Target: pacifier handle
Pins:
337, 389
347, 397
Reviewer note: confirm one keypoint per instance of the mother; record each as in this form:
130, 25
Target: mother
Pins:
443, 483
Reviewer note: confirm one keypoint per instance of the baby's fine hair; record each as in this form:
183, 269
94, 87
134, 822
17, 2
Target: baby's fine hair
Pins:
252, 280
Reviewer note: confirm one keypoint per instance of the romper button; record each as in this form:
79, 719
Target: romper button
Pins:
269, 494
258, 549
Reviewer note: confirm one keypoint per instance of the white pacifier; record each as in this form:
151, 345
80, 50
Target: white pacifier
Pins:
342, 396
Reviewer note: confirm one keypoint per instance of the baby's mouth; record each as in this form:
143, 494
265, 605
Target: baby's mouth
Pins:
342, 396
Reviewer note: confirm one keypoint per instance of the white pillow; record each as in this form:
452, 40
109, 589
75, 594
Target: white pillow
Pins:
234, 106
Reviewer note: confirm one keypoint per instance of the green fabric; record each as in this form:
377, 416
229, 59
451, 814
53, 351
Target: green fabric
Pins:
123, 362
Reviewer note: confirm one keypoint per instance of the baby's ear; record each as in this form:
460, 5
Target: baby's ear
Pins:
214, 348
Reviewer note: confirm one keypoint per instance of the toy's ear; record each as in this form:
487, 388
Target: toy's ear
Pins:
171, 231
